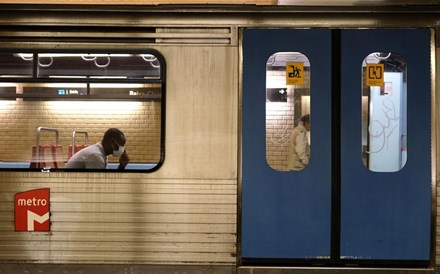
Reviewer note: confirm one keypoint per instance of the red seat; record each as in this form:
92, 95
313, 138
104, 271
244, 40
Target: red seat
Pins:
49, 156
57, 152
77, 148
44, 158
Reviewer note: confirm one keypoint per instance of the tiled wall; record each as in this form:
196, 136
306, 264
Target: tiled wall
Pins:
279, 125
280, 121
140, 121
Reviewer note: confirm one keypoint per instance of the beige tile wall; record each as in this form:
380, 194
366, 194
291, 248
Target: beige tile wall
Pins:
140, 121
280, 121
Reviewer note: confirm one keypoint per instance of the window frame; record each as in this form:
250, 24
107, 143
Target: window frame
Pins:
388, 66
38, 80
279, 150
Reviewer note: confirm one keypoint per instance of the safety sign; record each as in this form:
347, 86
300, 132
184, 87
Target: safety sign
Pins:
294, 73
375, 75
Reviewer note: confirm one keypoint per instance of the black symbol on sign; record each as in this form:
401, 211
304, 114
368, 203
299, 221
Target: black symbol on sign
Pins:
296, 72
375, 72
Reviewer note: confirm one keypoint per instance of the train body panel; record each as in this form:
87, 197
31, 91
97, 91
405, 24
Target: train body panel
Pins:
195, 213
181, 213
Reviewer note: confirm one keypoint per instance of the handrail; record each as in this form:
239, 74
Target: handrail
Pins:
37, 148
86, 139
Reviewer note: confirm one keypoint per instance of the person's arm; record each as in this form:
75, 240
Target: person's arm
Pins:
301, 147
123, 160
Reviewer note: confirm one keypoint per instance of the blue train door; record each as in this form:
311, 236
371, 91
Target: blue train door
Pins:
285, 214
336, 146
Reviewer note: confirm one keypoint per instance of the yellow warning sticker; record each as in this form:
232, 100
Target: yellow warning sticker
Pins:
375, 75
294, 73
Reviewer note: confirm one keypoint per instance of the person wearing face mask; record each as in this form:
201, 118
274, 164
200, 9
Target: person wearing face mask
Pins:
95, 156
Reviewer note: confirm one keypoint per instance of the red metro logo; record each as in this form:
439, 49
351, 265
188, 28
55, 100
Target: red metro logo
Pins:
32, 210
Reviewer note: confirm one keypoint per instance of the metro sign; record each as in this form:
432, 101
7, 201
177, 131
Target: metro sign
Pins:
32, 210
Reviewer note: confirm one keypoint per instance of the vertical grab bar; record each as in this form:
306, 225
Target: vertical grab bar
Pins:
39, 129
86, 139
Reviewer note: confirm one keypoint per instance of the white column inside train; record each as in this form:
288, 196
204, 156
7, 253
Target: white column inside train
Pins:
386, 129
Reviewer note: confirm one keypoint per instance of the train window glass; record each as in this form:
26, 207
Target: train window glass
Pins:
16, 65
52, 109
384, 116
107, 66
287, 111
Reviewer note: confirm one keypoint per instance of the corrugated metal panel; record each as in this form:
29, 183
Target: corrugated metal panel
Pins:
213, 35
142, 2
151, 221
233, 2
356, 2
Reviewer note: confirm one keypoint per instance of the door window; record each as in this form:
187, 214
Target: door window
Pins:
384, 119
288, 111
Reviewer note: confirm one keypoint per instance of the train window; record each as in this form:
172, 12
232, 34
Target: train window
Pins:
116, 66
15, 65
287, 111
384, 116
54, 107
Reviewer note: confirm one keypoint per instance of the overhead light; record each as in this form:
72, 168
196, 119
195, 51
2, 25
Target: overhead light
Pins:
108, 77
66, 76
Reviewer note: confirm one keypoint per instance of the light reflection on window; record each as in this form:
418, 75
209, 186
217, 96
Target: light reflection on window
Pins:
384, 116
287, 111
47, 95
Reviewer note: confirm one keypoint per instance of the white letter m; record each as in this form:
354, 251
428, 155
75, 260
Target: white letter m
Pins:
31, 217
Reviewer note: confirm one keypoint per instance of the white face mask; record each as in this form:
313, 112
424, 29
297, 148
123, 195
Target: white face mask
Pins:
119, 152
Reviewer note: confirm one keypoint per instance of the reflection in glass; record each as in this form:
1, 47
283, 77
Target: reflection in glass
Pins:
287, 111
99, 66
139, 120
77, 97
145, 91
16, 64
384, 116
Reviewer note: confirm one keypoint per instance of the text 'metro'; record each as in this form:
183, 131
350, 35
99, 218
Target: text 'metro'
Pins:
32, 210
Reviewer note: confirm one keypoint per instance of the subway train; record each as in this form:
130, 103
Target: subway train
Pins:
226, 174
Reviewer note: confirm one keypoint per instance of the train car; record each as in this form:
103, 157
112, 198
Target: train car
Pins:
284, 138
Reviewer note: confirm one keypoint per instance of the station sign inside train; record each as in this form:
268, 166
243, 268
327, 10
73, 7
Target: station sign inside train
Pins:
100, 91
32, 210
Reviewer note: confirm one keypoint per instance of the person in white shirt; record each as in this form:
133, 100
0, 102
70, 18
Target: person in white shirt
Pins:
299, 150
95, 156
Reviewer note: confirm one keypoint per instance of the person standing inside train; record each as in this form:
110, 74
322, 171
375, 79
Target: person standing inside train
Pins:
95, 156
299, 149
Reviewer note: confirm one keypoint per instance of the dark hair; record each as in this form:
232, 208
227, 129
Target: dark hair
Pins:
305, 118
113, 133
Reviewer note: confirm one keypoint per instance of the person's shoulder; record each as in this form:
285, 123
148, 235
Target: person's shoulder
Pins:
94, 148
300, 128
